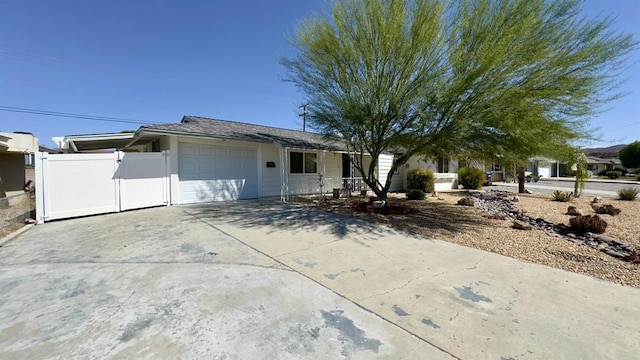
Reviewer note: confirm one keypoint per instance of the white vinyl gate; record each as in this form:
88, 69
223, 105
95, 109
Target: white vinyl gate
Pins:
70, 185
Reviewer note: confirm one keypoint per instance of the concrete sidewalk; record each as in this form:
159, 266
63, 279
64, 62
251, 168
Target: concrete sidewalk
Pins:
550, 189
470, 303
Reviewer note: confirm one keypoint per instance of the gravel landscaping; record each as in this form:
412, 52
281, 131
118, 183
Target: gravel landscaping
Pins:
483, 227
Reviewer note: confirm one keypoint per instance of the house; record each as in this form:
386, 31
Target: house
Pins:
215, 160
16, 151
597, 164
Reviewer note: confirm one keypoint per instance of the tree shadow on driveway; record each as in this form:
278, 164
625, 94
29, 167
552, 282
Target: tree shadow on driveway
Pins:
278, 215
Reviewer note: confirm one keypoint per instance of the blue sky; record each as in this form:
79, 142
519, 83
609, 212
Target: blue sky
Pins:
155, 61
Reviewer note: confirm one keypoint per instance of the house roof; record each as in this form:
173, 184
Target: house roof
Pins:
94, 141
233, 130
597, 160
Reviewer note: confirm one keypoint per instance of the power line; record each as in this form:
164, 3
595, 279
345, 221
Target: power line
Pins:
71, 115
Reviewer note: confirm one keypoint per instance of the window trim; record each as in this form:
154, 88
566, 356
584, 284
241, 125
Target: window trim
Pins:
441, 161
304, 162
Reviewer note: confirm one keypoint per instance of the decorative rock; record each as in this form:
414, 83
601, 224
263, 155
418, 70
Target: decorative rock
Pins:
596, 199
528, 191
515, 199
571, 235
592, 243
602, 246
613, 253
434, 194
606, 239
378, 204
519, 225
573, 211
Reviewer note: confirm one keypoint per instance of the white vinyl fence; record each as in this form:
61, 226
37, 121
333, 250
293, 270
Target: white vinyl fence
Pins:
71, 185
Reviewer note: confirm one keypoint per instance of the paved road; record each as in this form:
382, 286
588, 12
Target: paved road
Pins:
607, 189
162, 284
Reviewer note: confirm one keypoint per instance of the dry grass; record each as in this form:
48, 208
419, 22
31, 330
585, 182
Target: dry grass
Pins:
442, 219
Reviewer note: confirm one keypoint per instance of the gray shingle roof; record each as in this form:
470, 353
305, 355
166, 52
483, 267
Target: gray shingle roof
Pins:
232, 130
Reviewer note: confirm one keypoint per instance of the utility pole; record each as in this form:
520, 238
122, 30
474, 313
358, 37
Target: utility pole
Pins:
304, 116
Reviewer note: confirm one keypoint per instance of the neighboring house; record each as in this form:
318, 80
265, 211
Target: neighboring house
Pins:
596, 164
16, 151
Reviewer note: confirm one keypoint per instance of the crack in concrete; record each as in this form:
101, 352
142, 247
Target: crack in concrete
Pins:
474, 267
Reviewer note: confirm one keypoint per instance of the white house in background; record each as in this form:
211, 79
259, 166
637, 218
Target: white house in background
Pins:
216, 160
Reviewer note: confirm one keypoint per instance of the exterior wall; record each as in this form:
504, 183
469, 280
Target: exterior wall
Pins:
444, 181
385, 162
329, 164
19, 143
12, 174
271, 183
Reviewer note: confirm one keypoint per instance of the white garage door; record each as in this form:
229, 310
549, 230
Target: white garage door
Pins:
217, 173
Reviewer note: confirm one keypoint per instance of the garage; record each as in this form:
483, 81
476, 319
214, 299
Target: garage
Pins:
211, 172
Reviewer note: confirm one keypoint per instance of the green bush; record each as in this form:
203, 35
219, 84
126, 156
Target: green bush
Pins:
421, 179
628, 193
622, 171
471, 178
415, 194
638, 177
561, 196
613, 174
589, 223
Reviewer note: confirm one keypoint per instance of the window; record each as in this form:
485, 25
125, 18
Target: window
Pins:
443, 165
496, 167
303, 163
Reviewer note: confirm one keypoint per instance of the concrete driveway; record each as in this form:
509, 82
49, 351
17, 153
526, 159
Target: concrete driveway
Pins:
470, 303
162, 283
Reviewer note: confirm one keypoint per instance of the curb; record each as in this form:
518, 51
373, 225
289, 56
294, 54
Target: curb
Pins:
15, 234
603, 181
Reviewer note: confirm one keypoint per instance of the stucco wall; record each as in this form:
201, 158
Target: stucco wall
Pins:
12, 177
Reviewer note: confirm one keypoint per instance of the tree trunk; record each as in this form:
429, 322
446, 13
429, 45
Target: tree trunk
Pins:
521, 170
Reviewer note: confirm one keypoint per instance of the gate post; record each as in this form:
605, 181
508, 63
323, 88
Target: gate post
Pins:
40, 161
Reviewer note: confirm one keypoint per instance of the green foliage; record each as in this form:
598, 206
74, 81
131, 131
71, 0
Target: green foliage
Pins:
628, 193
421, 179
622, 171
630, 155
638, 177
416, 194
613, 174
561, 196
606, 209
510, 77
581, 173
588, 223
471, 178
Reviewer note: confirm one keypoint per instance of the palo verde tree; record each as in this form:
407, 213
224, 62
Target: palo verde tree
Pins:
514, 78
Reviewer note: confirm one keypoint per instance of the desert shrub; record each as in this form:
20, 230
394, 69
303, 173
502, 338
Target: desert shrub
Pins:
638, 177
588, 223
606, 209
561, 196
613, 174
415, 194
421, 179
628, 193
471, 178
466, 201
